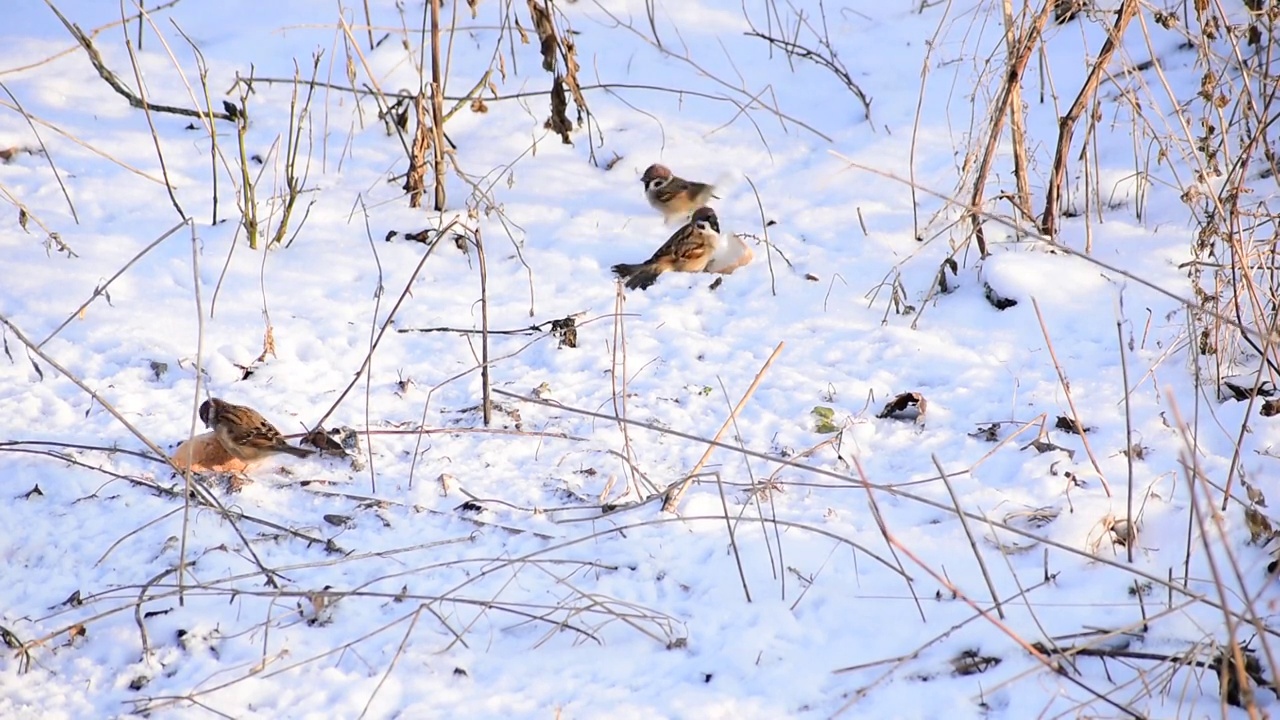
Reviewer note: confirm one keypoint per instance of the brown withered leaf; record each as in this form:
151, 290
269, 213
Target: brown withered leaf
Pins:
1260, 528
1240, 391
478, 106
268, 345
559, 120
1270, 408
1043, 446
546, 30
422, 236
906, 406
1066, 424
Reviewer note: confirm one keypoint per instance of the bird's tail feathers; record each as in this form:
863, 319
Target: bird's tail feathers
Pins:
638, 276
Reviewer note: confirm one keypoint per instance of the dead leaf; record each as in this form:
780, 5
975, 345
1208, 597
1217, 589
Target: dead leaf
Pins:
1260, 527
1066, 424
997, 300
566, 331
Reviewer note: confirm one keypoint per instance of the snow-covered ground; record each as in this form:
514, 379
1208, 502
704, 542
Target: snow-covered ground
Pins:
498, 572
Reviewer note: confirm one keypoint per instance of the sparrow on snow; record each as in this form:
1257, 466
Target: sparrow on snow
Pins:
244, 433
674, 196
690, 249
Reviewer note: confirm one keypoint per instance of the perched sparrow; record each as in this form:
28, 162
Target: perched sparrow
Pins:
672, 196
688, 250
730, 255
244, 433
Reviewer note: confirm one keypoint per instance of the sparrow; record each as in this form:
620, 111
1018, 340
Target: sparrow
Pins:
244, 433
688, 250
673, 196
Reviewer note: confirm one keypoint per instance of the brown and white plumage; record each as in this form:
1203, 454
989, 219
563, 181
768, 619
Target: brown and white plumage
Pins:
244, 433
688, 250
674, 196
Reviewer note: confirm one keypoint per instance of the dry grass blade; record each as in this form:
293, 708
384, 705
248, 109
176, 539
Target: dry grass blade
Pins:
677, 491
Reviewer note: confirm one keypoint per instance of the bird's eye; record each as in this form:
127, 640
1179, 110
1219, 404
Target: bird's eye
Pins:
657, 183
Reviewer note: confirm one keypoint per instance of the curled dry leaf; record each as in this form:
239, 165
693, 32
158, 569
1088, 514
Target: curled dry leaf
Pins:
1245, 390
327, 442
997, 300
1043, 446
971, 662
990, 433
337, 520
1270, 408
906, 406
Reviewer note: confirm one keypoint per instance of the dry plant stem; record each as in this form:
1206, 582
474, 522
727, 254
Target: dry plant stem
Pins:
47, 155
925, 65
1011, 634
883, 527
197, 391
96, 31
1017, 121
618, 385
1032, 234
486, 382
1066, 124
114, 81
463, 100
677, 491
1128, 437
1066, 389
437, 111
373, 324
1017, 64
1181, 589
101, 290
202, 68
973, 544
733, 538
1193, 473
293, 142
413, 622
151, 125
368, 358
742, 107
523, 559
764, 230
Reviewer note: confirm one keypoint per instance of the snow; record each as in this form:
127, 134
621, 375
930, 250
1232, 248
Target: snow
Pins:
539, 604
